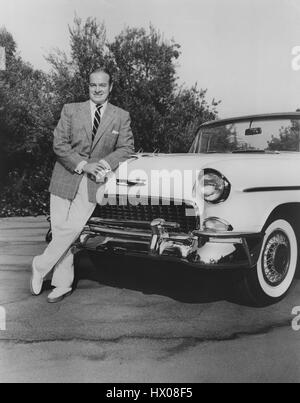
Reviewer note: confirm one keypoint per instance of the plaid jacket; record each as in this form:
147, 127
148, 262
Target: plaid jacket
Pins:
73, 143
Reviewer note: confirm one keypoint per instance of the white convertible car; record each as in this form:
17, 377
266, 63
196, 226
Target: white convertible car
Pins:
233, 201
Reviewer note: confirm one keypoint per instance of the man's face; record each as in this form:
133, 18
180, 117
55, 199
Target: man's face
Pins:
100, 87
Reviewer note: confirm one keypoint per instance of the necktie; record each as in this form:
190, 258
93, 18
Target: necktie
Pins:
97, 120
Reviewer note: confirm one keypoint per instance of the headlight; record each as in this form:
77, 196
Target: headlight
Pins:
215, 188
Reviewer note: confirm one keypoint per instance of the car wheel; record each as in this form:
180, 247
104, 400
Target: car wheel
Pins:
273, 275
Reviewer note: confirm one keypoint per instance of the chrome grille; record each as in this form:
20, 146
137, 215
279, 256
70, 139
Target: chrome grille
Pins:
183, 214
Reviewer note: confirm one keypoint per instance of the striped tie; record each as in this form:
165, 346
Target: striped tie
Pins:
97, 120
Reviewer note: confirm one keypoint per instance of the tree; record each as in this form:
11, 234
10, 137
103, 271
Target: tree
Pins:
70, 75
144, 66
187, 112
7, 41
289, 138
26, 124
164, 115
217, 139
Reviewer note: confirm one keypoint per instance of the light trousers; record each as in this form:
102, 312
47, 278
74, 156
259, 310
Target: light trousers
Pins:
68, 219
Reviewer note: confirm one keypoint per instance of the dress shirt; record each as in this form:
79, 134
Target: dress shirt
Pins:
80, 166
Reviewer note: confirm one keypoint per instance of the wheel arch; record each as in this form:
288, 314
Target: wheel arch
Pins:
290, 211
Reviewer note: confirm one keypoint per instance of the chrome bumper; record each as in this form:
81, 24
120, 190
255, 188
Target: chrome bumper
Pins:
160, 240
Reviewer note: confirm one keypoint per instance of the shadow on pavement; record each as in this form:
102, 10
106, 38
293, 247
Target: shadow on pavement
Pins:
176, 281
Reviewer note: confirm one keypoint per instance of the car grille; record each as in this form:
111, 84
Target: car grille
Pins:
184, 214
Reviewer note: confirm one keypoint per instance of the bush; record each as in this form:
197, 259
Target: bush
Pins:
25, 195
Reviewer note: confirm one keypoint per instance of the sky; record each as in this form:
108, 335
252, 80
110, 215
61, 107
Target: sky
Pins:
239, 50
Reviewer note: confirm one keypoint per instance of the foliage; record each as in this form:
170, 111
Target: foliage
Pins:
26, 125
70, 75
289, 138
164, 114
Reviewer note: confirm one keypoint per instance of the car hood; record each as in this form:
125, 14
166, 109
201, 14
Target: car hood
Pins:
243, 171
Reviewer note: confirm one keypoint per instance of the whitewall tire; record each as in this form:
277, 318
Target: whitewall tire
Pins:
274, 273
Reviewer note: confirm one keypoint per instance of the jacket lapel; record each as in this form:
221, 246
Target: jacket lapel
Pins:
86, 119
105, 122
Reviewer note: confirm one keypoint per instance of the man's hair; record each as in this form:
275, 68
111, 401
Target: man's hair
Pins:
103, 70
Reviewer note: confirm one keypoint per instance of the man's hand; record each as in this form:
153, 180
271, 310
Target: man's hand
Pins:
95, 171
93, 168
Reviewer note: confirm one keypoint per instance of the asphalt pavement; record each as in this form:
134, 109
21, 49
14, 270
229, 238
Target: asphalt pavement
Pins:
131, 320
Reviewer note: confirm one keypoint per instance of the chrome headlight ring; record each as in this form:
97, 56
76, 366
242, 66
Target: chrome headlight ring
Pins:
215, 188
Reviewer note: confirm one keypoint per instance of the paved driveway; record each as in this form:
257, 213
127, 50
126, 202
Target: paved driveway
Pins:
136, 321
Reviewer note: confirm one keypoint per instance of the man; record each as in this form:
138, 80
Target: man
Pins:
90, 140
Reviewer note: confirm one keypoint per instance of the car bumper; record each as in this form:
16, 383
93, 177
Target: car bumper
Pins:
158, 240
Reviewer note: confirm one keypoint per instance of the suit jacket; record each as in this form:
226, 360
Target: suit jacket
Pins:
73, 143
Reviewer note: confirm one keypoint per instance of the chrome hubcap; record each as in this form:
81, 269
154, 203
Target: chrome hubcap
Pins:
276, 258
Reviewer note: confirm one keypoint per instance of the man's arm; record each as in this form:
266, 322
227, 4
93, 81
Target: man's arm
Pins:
62, 143
124, 147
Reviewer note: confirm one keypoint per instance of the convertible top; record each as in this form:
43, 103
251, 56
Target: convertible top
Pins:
268, 116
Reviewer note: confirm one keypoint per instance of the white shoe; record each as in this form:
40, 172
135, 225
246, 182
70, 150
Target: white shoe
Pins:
36, 281
58, 294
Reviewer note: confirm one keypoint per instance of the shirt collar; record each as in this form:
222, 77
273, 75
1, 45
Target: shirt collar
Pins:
93, 106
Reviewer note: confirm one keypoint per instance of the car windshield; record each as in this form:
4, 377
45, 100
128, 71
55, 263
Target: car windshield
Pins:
249, 136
